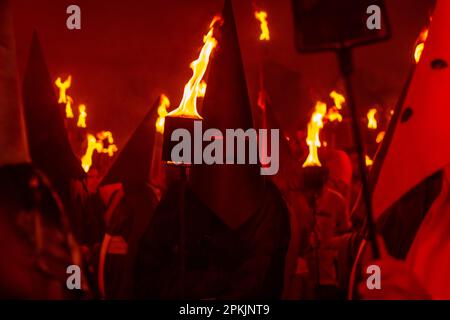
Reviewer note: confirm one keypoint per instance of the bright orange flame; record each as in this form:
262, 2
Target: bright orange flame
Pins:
112, 148
261, 16
69, 111
313, 137
202, 89
369, 162
420, 46
188, 105
338, 99
372, 121
334, 115
164, 104
380, 137
93, 145
82, 116
63, 87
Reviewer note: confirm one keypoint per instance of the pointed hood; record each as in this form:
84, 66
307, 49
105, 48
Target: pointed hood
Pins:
420, 143
133, 164
12, 130
50, 149
233, 192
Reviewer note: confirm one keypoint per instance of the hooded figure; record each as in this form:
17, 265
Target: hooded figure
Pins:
411, 198
36, 243
129, 209
236, 224
50, 149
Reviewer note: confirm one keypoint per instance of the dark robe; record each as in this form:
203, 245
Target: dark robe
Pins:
129, 221
221, 263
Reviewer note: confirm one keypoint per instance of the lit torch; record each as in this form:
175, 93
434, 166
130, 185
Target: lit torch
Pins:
186, 114
69, 111
372, 121
82, 116
93, 145
313, 137
63, 87
420, 45
261, 16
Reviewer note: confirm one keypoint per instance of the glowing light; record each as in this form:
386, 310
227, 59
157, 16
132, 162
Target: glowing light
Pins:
93, 145
164, 104
188, 105
380, 137
202, 89
420, 45
261, 16
82, 116
369, 162
313, 137
107, 136
372, 121
69, 111
63, 87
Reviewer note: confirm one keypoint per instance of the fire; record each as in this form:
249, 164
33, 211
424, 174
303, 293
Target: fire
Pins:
69, 111
372, 121
338, 99
112, 148
93, 145
369, 162
202, 89
313, 137
420, 45
82, 116
261, 16
334, 115
380, 137
188, 105
162, 113
63, 87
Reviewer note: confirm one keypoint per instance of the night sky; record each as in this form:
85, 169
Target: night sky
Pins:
129, 52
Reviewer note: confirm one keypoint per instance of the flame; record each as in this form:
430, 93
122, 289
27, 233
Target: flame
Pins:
420, 46
63, 87
313, 137
112, 148
188, 105
82, 116
334, 115
338, 99
380, 137
261, 16
369, 162
162, 113
93, 145
202, 89
69, 111
372, 121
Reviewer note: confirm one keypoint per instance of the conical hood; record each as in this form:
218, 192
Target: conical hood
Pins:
14, 149
134, 161
233, 192
50, 148
420, 143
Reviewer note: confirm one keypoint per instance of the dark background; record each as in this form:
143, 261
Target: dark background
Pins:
129, 52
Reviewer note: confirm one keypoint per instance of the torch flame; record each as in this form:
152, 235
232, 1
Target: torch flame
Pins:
82, 116
188, 105
313, 137
202, 89
420, 45
372, 121
63, 87
69, 111
261, 16
369, 162
162, 113
93, 145
338, 99
112, 148
380, 137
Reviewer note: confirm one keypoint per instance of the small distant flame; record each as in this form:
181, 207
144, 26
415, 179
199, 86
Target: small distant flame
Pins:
313, 137
97, 144
261, 16
202, 89
63, 87
188, 105
372, 121
420, 45
82, 116
334, 115
380, 137
369, 162
334, 112
69, 111
93, 145
164, 104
